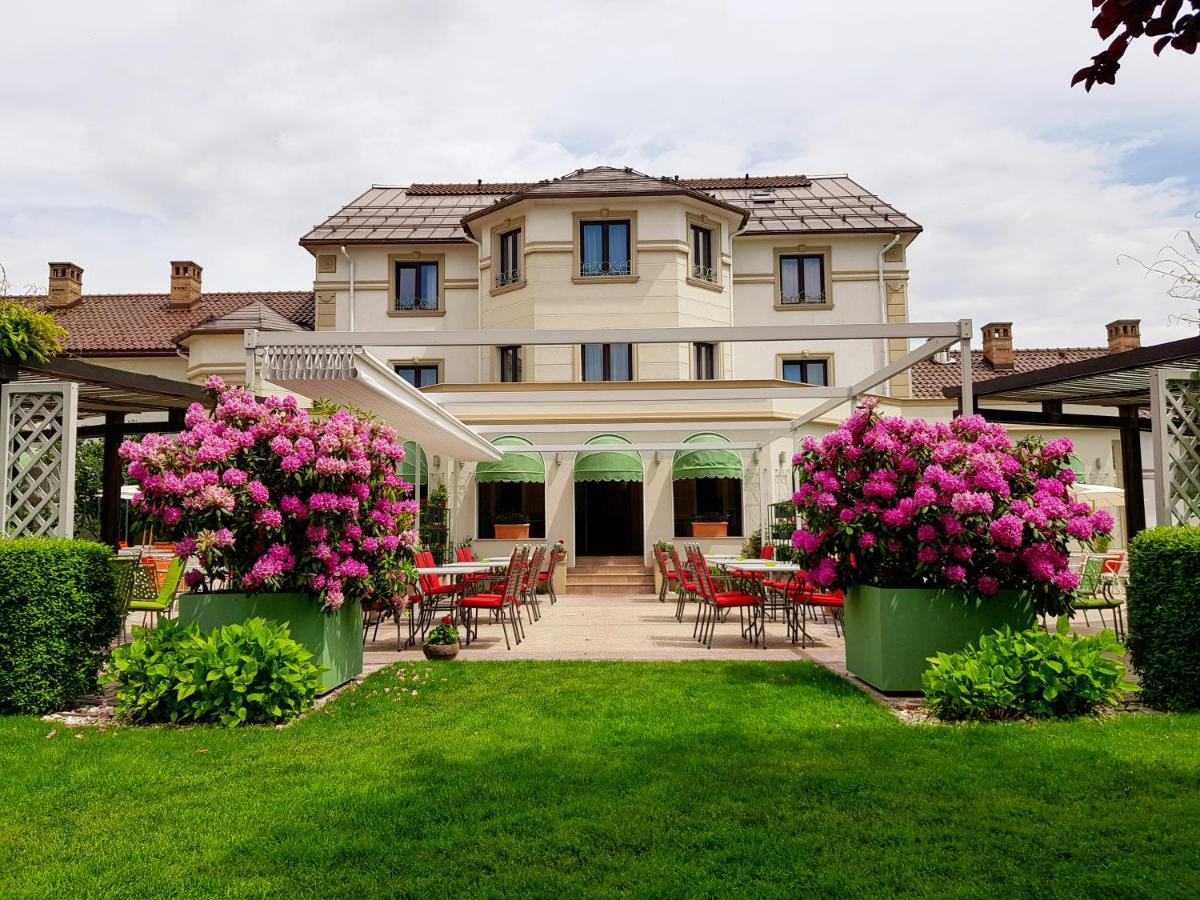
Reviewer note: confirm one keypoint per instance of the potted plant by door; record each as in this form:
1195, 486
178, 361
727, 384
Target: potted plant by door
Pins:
710, 525
511, 526
442, 640
293, 516
938, 534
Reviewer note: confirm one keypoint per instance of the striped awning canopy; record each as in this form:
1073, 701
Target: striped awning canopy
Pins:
519, 466
608, 465
709, 462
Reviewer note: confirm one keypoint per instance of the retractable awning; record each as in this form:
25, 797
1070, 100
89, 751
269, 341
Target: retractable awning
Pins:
707, 463
608, 465
352, 375
519, 466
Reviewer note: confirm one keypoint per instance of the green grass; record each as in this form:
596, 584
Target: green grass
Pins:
561, 779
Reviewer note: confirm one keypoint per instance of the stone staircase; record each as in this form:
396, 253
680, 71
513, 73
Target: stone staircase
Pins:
610, 575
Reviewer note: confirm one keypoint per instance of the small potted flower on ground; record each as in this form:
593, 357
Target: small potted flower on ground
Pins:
442, 640
512, 526
710, 525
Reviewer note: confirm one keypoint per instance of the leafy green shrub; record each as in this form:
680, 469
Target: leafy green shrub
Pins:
1028, 673
58, 614
236, 675
1164, 616
27, 335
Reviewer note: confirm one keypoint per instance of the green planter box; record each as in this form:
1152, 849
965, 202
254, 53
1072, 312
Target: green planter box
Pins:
891, 632
335, 639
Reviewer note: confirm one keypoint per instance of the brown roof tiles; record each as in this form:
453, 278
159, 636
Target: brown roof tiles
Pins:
929, 378
781, 204
139, 324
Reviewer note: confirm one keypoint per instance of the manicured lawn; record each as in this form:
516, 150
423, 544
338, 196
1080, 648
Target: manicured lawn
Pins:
559, 779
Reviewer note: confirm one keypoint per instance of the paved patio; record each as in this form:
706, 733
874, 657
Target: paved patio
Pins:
635, 627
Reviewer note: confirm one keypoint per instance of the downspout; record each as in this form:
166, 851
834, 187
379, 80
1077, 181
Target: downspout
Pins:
479, 294
883, 310
350, 260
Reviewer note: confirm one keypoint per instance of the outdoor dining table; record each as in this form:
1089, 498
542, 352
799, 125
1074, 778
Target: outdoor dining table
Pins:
791, 570
457, 571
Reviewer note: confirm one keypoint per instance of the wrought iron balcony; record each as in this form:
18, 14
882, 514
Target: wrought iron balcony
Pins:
804, 298
705, 273
416, 304
604, 269
504, 279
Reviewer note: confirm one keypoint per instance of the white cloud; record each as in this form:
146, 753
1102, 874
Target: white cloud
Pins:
221, 132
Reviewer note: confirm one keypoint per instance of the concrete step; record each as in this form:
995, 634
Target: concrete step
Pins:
611, 570
573, 579
610, 561
609, 590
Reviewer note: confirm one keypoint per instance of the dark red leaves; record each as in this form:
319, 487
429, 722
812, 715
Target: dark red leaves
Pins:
1130, 19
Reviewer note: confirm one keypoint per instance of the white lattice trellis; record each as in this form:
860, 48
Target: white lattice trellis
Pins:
1175, 404
37, 449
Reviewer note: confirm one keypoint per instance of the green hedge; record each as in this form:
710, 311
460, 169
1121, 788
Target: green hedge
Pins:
1164, 616
58, 614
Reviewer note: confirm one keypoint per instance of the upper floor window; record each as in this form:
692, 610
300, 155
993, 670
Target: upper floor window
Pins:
509, 243
604, 249
802, 280
510, 364
704, 361
416, 286
806, 371
608, 362
702, 254
419, 375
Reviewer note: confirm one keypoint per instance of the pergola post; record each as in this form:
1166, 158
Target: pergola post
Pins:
110, 481
1131, 472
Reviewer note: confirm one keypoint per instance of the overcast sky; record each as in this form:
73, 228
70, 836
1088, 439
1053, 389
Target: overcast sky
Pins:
137, 133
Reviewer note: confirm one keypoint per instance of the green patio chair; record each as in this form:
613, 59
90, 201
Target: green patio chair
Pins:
1091, 596
158, 603
124, 574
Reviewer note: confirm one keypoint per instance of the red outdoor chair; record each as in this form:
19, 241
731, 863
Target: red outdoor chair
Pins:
668, 577
716, 603
501, 604
547, 577
686, 583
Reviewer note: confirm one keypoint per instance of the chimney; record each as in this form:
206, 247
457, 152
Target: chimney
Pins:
185, 284
66, 284
997, 345
1124, 334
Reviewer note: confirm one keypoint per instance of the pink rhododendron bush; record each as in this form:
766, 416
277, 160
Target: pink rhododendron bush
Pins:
270, 498
896, 502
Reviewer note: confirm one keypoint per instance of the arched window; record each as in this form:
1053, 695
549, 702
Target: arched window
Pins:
513, 487
707, 484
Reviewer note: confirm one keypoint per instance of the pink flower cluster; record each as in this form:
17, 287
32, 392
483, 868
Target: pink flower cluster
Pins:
904, 502
267, 497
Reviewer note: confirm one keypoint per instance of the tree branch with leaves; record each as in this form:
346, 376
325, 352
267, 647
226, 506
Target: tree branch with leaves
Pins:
1175, 23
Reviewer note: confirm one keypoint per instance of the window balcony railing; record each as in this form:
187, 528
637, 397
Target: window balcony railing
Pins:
804, 298
604, 269
416, 304
705, 273
504, 279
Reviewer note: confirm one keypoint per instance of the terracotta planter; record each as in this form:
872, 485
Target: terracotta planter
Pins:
512, 532
710, 529
440, 651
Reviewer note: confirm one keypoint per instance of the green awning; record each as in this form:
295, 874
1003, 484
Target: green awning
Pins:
408, 466
706, 463
608, 465
1075, 463
522, 466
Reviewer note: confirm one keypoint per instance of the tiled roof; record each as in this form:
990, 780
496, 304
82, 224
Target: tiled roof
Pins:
929, 377
781, 204
605, 181
258, 315
115, 324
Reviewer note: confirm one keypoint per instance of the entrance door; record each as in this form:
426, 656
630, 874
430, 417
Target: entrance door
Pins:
608, 518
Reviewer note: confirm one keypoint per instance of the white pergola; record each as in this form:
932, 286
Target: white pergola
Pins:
338, 365
323, 357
